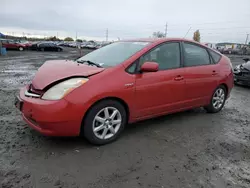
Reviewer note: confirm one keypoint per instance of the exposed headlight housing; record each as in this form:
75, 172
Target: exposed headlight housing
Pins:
61, 89
237, 69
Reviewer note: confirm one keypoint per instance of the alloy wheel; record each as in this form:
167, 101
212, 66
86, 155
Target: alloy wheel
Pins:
107, 123
218, 98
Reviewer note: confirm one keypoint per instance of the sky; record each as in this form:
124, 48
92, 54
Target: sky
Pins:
217, 20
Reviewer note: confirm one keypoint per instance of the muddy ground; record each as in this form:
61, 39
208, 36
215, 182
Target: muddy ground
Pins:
188, 149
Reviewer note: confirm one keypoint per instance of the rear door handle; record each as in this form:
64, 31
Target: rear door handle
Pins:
214, 73
178, 78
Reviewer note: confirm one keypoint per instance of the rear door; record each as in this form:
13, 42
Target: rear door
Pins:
201, 74
48, 47
53, 47
162, 91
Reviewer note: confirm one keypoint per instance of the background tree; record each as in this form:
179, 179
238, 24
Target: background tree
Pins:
158, 34
53, 39
78, 40
68, 39
197, 36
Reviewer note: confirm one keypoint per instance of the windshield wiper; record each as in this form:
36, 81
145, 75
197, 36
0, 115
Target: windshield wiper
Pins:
89, 62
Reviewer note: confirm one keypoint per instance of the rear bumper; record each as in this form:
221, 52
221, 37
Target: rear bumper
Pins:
51, 118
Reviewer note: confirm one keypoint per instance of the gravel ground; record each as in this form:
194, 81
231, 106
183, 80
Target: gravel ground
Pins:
188, 149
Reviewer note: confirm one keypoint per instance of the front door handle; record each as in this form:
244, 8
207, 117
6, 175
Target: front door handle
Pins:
178, 78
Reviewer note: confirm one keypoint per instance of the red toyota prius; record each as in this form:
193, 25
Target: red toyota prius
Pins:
127, 81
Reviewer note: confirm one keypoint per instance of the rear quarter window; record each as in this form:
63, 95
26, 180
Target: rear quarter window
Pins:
216, 57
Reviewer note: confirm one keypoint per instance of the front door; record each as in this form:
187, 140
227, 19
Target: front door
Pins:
11, 44
162, 91
201, 74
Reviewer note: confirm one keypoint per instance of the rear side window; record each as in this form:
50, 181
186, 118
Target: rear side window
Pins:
195, 55
11, 42
216, 57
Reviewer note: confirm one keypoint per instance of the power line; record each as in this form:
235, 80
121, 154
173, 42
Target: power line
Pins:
208, 23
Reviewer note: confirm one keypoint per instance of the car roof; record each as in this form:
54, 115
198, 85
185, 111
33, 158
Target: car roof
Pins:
161, 40
152, 40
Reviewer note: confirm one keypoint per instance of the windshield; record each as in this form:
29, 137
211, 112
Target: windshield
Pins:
114, 54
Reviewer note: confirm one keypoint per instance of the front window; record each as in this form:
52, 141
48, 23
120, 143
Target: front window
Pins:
166, 55
114, 54
11, 41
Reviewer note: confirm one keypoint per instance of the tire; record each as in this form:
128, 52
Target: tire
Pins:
90, 122
59, 49
42, 49
20, 48
214, 107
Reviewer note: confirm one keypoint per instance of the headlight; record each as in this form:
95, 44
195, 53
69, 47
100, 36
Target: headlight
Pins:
58, 91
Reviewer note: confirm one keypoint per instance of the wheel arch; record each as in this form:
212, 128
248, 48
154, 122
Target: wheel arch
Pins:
226, 87
124, 104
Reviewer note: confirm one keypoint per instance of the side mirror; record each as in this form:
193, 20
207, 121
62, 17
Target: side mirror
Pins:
149, 67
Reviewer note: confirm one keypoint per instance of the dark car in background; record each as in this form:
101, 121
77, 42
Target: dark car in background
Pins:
46, 46
242, 73
12, 45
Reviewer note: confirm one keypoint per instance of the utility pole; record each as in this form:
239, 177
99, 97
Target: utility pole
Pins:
76, 35
166, 29
107, 34
247, 39
56, 34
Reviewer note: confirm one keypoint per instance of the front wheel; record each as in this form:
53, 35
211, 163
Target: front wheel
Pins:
20, 48
217, 101
104, 122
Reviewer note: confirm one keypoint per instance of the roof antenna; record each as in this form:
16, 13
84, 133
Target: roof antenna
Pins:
187, 32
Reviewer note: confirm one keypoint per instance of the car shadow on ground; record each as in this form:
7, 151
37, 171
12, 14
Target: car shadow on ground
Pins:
130, 130
241, 86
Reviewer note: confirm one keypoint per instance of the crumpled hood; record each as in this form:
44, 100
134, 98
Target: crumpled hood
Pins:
55, 70
246, 65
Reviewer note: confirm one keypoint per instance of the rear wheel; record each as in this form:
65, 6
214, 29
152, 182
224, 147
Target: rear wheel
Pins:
218, 100
104, 122
42, 49
20, 49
